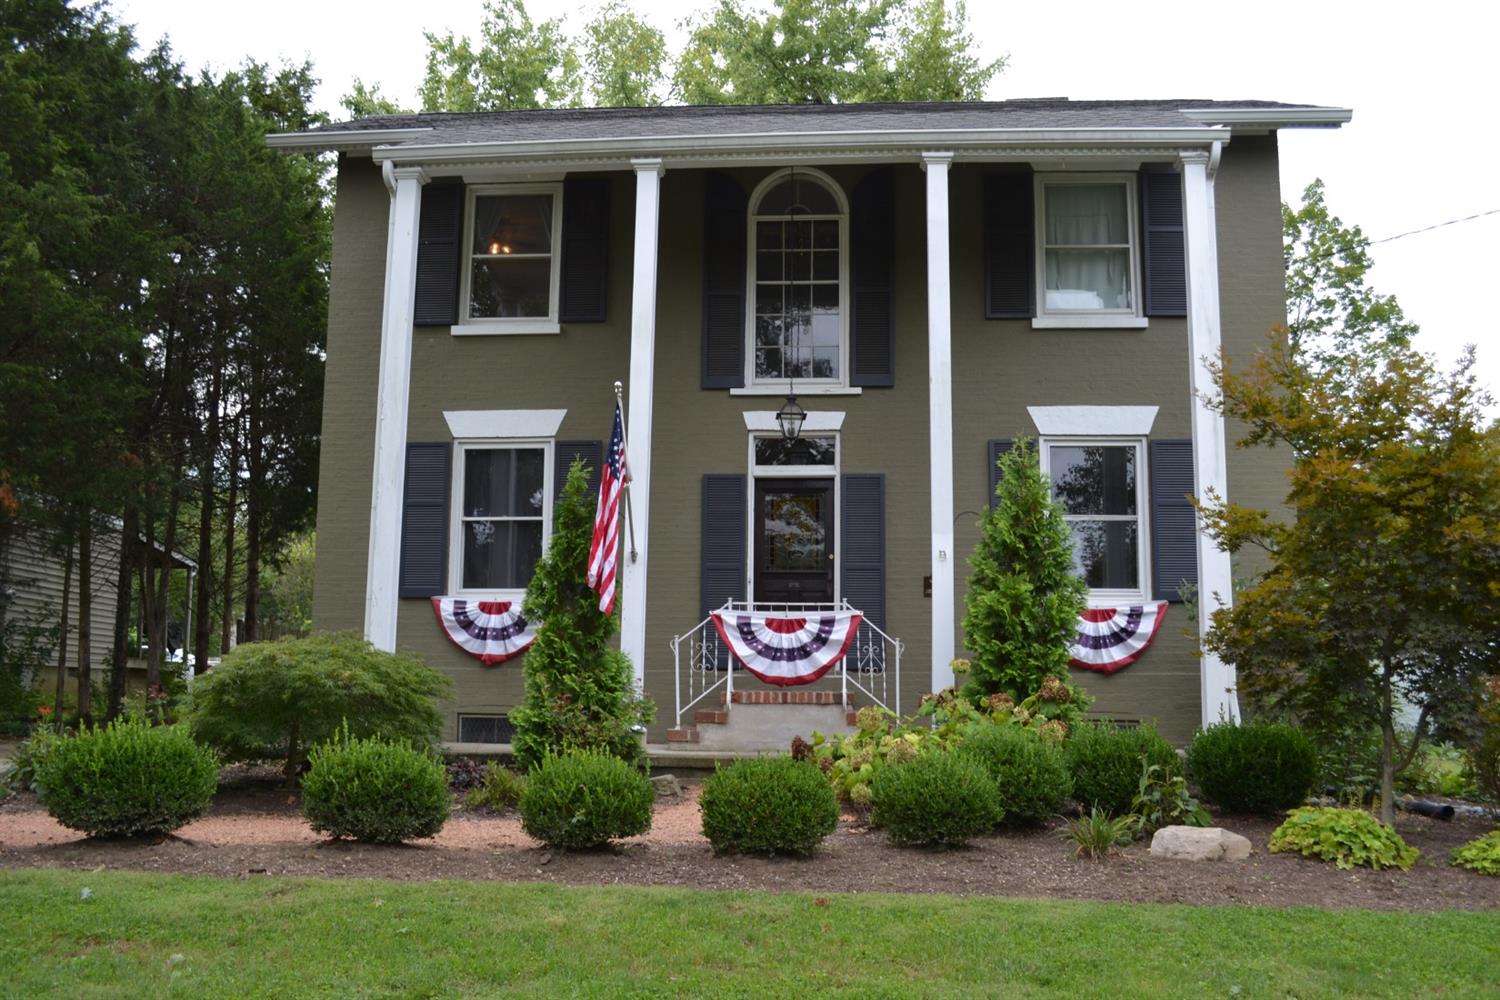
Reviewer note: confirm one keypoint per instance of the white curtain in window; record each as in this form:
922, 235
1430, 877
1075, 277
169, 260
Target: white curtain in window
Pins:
1088, 253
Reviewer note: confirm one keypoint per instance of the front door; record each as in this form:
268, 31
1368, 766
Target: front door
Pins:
794, 541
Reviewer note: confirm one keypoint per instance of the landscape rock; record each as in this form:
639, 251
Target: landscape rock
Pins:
667, 786
1199, 843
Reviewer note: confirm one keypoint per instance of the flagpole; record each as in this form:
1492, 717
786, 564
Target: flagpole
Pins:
629, 517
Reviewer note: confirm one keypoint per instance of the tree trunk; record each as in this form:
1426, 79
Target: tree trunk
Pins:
203, 627
253, 491
119, 653
1387, 752
147, 571
62, 637
86, 613
226, 638
163, 585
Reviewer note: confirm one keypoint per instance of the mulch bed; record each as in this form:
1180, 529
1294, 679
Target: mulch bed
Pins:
253, 829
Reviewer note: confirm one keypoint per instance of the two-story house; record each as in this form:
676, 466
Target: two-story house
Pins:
931, 282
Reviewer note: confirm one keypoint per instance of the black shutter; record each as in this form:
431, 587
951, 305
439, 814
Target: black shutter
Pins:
1009, 246
585, 249
996, 449
1174, 539
592, 453
424, 520
862, 543
722, 574
724, 208
1163, 256
440, 233
872, 231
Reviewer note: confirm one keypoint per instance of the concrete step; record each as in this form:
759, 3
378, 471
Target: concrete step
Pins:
766, 721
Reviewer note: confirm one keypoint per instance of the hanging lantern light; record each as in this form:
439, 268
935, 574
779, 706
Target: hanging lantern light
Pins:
790, 418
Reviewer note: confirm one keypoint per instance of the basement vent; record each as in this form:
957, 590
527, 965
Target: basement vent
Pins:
485, 729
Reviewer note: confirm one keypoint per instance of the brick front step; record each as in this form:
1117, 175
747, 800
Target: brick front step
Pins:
711, 716
784, 698
688, 734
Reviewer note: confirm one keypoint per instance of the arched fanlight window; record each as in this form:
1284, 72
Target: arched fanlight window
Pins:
799, 225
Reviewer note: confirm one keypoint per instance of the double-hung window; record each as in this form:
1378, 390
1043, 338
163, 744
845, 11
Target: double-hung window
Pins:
511, 278
1101, 484
503, 518
1088, 250
798, 329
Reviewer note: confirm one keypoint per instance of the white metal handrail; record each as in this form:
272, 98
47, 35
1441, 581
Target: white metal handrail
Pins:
871, 665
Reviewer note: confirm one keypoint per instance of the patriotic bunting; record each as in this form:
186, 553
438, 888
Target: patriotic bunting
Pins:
1111, 639
490, 631
784, 650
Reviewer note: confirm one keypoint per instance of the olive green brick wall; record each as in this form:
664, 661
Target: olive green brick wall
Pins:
1000, 367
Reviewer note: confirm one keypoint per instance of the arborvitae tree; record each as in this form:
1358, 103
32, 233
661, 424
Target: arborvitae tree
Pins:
1024, 596
580, 691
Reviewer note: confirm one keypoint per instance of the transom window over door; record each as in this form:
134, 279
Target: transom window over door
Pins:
799, 234
503, 517
1087, 246
1102, 489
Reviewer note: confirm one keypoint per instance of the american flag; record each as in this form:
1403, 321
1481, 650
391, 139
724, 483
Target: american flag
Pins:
605, 547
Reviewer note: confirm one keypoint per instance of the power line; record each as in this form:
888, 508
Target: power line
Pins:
1361, 244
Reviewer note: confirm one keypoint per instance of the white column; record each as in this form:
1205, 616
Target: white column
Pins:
1210, 451
383, 568
638, 432
940, 414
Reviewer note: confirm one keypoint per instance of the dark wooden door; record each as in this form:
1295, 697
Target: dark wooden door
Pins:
794, 541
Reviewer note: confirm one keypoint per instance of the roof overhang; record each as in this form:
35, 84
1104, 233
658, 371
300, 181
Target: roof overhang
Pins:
748, 149
1268, 119
346, 141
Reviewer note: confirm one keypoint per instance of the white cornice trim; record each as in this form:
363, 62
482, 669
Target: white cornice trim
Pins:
687, 147
817, 420
504, 423
1271, 117
345, 141
1093, 421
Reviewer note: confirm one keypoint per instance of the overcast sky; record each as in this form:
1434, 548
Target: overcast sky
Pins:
1423, 80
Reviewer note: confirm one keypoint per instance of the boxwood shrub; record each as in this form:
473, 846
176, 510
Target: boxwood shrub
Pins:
1030, 774
126, 779
1107, 761
1259, 768
375, 790
582, 800
768, 805
939, 799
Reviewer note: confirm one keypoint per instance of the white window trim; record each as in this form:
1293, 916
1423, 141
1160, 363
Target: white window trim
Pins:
456, 501
795, 472
1087, 319
817, 422
1093, 421
467, 327
1114, 597
494, 425
811, 386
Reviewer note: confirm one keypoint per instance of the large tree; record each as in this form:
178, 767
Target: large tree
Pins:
1331, 310
795, 52
1384, 582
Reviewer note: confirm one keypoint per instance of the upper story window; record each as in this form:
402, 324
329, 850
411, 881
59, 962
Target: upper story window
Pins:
1087, 247
799, 225
1101, 485
511, 280
504, 515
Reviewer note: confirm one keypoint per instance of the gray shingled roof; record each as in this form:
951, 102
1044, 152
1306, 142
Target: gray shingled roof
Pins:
623, 123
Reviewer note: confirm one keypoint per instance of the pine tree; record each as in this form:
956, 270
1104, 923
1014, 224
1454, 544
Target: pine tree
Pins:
580, 691
1024, 596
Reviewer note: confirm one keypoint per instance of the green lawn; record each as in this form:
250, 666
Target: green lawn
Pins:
147, 935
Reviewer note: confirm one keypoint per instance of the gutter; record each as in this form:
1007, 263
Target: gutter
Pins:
1271, 118
864, 141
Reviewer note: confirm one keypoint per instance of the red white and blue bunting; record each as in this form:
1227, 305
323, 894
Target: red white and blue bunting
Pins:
785, 650
1111, 639
490, 631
